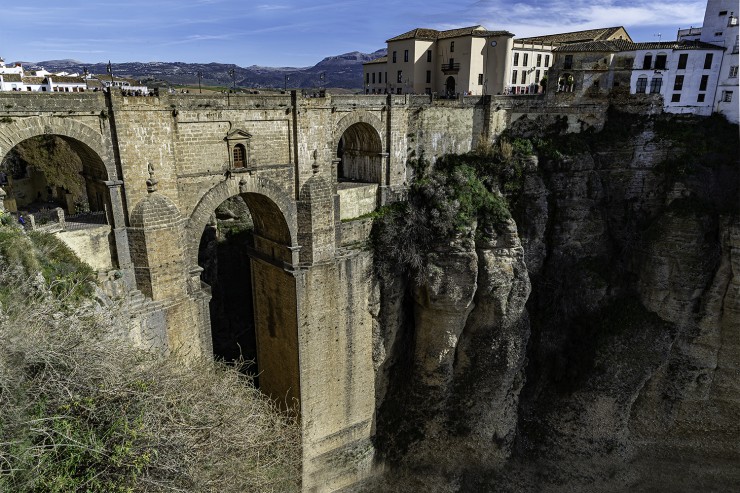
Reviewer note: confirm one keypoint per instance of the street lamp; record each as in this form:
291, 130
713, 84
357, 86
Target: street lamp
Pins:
232, 73
84, 74
287, 78
200, 76
110, 71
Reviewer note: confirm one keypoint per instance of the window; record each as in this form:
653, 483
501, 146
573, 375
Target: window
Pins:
399, 76
536, 76
682, 59
678, 83
516, 59
452, 46
239, 156
480, 79
386, 77
526, 60
733, 72
429, 55
726, 96
722, 12
704, 82
660, 62
708, 61
380, 77
547, 60
405, 55
568, 62
524, 76
394, 57
513, 77
675, 98
647, 62
655, 85
539, 60
429, 76
700, 98
373, 77
367, 78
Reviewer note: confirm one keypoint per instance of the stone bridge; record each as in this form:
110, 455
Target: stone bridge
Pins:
308, 169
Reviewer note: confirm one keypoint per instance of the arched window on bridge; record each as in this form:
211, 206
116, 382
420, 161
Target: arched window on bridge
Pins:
239, 156
237, 143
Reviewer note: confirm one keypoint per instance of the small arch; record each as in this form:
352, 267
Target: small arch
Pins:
359, 152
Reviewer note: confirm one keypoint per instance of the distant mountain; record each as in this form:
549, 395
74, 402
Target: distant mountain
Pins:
342, 71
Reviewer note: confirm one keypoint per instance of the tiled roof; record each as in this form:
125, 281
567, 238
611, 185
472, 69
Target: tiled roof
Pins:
677, 45
613, 45
433, 35
62, 79
616, 45
382, 59
575, 37
11, 77
418, 33
33, 80
478, 31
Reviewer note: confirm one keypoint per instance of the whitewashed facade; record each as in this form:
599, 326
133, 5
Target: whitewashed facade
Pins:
720, 28
684, 73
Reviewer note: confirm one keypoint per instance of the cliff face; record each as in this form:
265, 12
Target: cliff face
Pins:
620, 371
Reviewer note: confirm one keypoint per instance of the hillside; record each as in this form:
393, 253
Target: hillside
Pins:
83, 410
341, 71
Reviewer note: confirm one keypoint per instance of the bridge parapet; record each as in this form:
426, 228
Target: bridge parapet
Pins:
21, 102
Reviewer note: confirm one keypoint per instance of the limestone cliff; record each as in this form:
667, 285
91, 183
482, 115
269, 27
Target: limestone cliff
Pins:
620, 371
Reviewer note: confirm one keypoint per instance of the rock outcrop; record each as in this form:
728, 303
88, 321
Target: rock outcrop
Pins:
619, 372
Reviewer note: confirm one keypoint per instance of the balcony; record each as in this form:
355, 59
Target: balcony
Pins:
450, 68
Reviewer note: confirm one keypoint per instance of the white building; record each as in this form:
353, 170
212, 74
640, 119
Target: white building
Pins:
720, 28
685, 73
15, 78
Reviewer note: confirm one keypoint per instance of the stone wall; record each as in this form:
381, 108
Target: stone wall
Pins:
91, 244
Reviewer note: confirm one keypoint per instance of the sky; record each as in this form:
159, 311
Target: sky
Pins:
282, 33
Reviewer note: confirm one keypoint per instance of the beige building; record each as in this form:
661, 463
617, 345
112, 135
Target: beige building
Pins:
470, 60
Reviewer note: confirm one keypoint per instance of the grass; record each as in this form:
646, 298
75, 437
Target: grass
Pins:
83, 410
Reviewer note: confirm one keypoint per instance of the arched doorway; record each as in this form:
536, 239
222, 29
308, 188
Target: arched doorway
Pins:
450, 87
244, 250
359, 152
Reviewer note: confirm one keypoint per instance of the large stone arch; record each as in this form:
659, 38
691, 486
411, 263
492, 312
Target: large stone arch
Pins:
259, 192
359, 144
85, 140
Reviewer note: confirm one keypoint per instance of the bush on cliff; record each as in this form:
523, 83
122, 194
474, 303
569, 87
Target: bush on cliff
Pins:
83, 411
454, 196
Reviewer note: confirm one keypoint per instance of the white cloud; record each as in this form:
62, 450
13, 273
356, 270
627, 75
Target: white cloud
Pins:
536, 17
